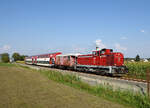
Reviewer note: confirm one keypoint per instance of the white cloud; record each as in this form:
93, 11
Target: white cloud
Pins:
5, 48
99, 44
142, 31
119, 47
123, 38
79, 50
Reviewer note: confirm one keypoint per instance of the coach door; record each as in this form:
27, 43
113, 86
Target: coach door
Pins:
32, 60
52, 60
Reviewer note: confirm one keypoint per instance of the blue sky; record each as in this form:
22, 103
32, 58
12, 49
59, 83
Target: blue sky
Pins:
41, 26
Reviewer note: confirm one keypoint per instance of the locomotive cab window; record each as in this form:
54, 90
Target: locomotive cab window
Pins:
111, 50
103, 51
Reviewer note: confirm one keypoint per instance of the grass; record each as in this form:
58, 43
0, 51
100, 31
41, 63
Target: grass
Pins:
21, 87
124, 97
22, 62
6, 64
137, 69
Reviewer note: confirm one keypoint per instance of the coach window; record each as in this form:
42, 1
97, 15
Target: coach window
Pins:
69, 58
94, 52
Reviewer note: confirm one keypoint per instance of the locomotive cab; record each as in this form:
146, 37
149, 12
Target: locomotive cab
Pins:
102, 52
109, 58
103, 57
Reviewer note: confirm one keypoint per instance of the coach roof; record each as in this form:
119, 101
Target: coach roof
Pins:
70, 54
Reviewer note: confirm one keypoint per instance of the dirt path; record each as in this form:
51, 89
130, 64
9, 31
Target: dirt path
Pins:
24, 88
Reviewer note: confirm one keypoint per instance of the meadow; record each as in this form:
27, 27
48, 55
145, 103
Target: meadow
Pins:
125, 98
22, 87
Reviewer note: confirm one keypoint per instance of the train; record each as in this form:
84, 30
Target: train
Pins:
103, 61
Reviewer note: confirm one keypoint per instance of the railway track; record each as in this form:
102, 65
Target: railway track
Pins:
123, 83
89, 73
133, 79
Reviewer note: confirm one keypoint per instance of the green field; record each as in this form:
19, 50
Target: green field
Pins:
138, 69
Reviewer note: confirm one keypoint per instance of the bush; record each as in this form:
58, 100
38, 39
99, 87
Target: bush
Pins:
5, 57
18, 57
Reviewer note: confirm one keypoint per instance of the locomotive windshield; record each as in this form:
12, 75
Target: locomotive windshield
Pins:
102, 51
96, 53
111, 50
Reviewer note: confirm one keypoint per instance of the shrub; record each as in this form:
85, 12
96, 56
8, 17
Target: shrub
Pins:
5, 57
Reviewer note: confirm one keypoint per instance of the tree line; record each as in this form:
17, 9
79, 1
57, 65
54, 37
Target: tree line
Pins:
15, 57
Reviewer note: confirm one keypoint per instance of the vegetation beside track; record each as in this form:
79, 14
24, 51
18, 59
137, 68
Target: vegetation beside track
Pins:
22, 62
137, 69
124, 97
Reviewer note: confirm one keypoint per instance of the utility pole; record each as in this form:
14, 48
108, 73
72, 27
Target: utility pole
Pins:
148, 82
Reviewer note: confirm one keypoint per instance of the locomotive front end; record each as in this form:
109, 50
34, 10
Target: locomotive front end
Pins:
119, 67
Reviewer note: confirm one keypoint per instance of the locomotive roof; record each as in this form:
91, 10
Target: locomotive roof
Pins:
103, 49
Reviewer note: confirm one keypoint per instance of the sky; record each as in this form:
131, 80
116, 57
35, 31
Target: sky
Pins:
33, 27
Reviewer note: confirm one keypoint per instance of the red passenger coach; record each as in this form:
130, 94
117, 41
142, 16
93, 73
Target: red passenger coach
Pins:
47, 59
43, 60
66, 61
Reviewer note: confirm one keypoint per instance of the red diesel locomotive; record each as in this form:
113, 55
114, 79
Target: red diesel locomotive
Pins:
105, 61
102, 61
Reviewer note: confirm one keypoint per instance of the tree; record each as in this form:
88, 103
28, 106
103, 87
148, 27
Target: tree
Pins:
5, 57
22, 57
16, 56
137, 58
